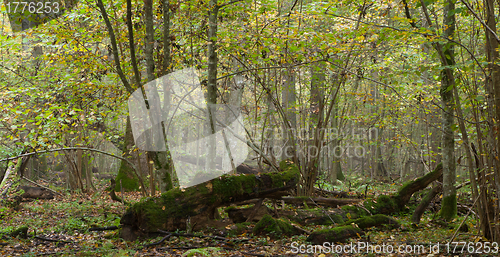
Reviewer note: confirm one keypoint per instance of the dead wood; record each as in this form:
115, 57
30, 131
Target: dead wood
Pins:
36, 192
386, 204
419, 211
195, 206
245, 214
335, 193
333, 202
335, 235
104, 228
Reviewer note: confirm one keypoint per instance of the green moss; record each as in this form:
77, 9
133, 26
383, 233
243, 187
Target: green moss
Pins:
383, 204
334, 235
354, 211
129, 181
337, 218
159, 209
378, 220
229, 185
21, 232
275, 228
285, 164
448, 208
290, 171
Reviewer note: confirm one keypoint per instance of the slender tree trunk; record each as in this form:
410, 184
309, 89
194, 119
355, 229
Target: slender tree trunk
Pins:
316, 120
212, 78
494, 87
289, 98
449, 203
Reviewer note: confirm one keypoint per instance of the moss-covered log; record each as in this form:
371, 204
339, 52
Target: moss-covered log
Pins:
385, 204
275, 228
406, 191
321, 216
378, 220
333, 202
196, 205
335, 235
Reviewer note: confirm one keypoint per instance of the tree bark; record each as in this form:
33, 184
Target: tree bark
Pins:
212, 79
449, 203
419, 211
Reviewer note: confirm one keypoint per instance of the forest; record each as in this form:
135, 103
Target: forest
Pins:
249, 128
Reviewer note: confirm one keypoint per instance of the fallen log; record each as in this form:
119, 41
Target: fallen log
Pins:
335, 193
335, 235
419, 211
378, 220
195, 206
385, 204
36, 192
333, 202
352, 228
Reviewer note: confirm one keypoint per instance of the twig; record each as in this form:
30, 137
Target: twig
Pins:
360, 206
466, 216
159, 242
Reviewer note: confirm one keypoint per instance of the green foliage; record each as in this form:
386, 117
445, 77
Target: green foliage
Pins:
207, 251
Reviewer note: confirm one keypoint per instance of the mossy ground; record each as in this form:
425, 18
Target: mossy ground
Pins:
275, 228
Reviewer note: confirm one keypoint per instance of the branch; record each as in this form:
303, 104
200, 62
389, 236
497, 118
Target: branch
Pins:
414, 32
228, 3
481, 21
408, 15
114, 46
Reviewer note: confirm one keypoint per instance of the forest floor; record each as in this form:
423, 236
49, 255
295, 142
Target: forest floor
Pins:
60, 227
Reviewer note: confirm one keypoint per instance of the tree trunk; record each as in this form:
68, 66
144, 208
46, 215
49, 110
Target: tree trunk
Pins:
212, 80
126, 175
312, 153
288, 99
449, 203
494, 87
